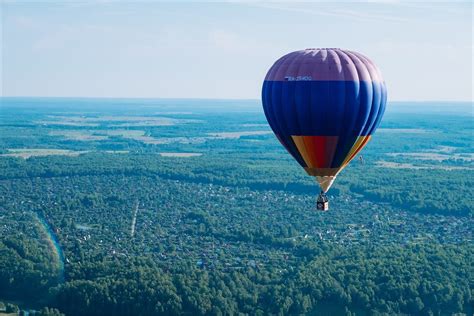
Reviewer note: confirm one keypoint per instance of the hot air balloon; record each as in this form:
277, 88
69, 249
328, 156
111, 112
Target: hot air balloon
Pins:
324, 104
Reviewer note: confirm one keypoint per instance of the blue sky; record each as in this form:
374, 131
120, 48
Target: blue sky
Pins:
223, 50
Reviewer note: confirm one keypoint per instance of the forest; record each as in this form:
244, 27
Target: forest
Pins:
172, 207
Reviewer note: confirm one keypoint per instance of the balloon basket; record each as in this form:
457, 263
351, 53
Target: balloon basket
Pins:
322, 203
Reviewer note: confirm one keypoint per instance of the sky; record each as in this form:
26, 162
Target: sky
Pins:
184, 49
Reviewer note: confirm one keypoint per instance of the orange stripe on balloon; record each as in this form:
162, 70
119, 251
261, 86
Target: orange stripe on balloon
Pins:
298, 140
311, 151
317, 151
308, 150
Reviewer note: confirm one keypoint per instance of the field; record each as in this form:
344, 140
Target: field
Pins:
26, 153
193, 207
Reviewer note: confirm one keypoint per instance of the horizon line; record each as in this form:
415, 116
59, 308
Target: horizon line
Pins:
194, 98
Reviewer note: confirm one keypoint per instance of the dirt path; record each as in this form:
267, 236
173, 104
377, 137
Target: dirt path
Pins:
134, 220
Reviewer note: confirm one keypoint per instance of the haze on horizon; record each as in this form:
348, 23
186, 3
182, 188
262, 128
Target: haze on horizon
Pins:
223, 50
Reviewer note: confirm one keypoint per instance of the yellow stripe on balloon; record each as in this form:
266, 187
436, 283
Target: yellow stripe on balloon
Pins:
359, 144
356, 145
299, 142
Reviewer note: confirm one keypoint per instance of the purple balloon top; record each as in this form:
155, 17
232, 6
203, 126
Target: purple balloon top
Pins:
324, 64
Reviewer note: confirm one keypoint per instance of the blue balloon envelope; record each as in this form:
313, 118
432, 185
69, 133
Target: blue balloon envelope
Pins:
324, 105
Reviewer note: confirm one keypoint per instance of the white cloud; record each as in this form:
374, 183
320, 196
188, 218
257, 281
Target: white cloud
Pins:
322, 10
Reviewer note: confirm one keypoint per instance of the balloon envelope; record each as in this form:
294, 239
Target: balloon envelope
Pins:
324, 105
